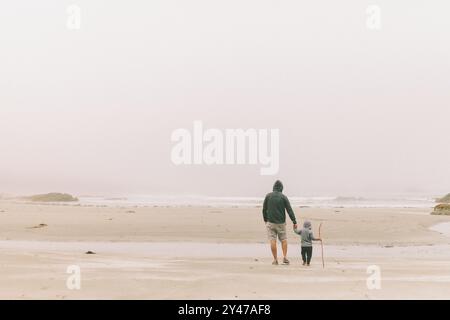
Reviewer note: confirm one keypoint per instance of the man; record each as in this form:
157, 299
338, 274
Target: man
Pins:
274, 212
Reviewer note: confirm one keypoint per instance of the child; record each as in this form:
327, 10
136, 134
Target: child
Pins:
307, 239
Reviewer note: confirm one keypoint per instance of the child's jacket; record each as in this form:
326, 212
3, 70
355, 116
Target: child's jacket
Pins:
307, 236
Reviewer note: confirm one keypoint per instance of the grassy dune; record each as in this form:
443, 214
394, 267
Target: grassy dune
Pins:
442, 209
52, 197
445, 199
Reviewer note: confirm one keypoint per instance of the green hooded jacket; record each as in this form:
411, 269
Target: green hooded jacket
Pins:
276, 204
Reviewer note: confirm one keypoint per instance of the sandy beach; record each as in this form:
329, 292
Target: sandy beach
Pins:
217, 253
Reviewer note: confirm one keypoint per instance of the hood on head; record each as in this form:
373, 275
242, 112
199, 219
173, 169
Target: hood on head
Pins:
278, 186
307, 224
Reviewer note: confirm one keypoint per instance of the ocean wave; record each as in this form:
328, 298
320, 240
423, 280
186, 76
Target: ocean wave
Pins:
216, 201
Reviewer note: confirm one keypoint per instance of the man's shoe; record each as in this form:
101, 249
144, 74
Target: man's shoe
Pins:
285, 261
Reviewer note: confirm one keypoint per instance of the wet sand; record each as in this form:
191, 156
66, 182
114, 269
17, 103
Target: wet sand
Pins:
212, 253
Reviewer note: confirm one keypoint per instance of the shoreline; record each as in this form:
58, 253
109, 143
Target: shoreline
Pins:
133, 206
318, 202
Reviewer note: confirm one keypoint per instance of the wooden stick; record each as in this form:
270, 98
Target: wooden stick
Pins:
321, 244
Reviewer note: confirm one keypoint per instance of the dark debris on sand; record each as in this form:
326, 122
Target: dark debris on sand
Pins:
41, 225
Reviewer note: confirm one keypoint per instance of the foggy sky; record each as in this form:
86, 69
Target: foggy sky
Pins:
91, 111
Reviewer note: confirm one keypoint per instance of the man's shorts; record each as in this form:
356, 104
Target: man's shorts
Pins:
275, 230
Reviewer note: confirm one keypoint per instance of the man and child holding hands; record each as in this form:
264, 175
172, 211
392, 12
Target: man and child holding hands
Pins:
276, 204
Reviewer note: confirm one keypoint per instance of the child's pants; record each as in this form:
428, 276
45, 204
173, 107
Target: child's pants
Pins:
306, 254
